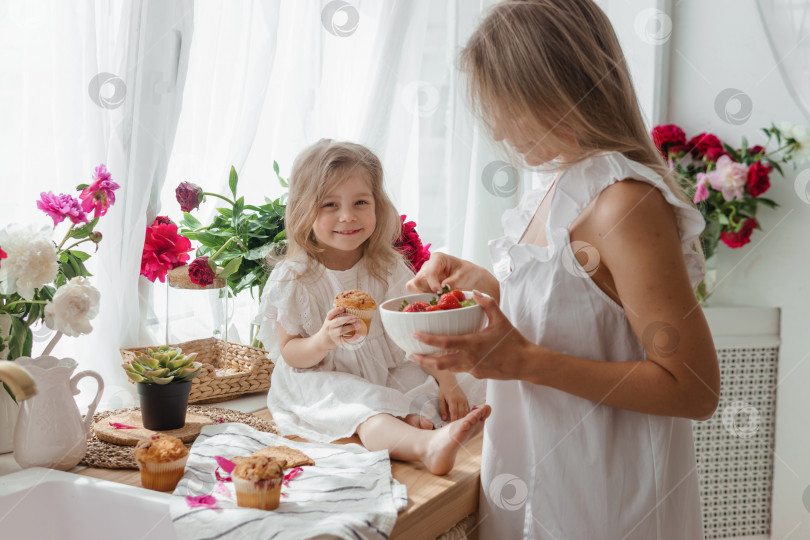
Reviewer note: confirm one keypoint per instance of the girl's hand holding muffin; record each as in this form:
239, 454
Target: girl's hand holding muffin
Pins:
340, 328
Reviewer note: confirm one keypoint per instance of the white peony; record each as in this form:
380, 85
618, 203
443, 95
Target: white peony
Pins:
799, 133
32, 260
72, 307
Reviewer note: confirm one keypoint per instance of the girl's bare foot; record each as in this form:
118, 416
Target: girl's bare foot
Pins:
440, 455
418, 421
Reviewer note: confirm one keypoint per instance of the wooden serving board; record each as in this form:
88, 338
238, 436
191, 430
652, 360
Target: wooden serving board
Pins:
105, 431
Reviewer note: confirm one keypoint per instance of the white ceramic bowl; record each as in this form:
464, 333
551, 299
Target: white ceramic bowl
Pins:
452, 322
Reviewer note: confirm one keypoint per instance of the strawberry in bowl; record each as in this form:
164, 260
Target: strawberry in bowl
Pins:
449, 313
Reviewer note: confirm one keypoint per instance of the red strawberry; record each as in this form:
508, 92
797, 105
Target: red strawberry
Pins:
416, 307
433, 308
448, 301
459, 295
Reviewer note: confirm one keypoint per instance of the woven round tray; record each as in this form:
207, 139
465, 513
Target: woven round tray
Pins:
104, 455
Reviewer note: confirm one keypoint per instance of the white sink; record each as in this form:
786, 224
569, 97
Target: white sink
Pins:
41, 503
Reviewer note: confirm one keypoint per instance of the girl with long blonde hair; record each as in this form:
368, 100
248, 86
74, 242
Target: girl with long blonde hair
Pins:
335, 375
597, 353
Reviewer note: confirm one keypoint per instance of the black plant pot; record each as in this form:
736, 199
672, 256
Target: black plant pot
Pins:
163, 406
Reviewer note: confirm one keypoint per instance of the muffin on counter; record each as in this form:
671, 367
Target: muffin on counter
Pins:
162, 461
257, 480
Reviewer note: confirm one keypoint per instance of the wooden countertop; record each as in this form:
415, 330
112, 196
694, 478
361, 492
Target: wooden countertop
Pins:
435, 503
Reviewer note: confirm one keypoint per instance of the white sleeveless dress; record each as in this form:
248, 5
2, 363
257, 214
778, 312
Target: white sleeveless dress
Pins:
558, 466
354, 381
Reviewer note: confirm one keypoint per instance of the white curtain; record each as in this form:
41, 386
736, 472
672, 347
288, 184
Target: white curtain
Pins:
92, 83
787, 25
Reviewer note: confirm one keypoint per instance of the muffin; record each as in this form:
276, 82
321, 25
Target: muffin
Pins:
358, 304
162, 461
257, 480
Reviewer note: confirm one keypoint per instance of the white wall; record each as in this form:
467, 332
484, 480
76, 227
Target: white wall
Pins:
717, 45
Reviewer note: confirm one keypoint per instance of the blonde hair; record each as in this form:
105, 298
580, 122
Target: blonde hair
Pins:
558, 63
316, 171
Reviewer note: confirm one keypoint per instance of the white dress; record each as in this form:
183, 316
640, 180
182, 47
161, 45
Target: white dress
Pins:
354, 381
558, 466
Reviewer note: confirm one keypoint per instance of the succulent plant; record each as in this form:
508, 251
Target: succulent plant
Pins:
164, 365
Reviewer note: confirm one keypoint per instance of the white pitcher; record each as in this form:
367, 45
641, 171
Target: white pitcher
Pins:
50, 431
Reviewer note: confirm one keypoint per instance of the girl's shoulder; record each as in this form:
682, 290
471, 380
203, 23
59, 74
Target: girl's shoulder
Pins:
289, 272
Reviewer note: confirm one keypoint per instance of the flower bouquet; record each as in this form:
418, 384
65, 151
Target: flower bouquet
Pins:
41, 281
727, 183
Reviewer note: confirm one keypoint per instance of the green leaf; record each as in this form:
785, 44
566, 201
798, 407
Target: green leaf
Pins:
231, 267
275, 167
259, 252
232, 181
20, 334
227, 212
82, 187
81, 255
280, 236
190, 221
84, 230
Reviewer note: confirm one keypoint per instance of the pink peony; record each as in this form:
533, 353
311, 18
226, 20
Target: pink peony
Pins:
410, 245
61, 206
702, 191
163, 250
99, 196
729, 178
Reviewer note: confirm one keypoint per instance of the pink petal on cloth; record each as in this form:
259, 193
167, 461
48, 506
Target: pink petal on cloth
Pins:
227, 465
223, 490
118, 425
291, 475
204, 501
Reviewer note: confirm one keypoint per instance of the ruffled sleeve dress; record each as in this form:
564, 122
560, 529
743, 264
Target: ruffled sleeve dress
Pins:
354, 381
556, 465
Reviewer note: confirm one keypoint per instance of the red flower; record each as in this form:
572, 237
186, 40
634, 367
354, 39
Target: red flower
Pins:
758, 181
3, 254
667, 136
739, 239
200, 272
700, 144
164, 220
410, 245
755, 150
99, 196
163, 250
713, 154
189, 196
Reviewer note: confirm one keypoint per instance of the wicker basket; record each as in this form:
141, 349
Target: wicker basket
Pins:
228, 369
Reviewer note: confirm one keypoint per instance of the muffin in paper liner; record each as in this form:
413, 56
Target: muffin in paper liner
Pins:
365, 316
162, 476
261, 494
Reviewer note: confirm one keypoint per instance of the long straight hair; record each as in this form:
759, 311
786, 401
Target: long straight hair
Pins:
321, 168
558, 64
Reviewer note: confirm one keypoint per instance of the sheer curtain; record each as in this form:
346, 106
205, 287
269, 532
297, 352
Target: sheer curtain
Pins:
787, 25
92, 83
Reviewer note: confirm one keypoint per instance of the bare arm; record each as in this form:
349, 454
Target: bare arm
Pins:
305, 352
443, 269
639, 244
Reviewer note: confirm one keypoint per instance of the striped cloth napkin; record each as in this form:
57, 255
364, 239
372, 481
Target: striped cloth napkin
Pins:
348, 493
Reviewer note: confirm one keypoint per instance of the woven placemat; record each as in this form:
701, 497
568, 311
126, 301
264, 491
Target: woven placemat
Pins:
130, 437
104, 455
